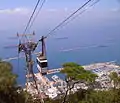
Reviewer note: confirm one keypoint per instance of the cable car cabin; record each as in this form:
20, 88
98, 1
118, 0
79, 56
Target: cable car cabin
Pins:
42, 64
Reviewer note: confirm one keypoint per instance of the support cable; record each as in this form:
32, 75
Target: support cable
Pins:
31, 17
50, 33
81, 12
40, 8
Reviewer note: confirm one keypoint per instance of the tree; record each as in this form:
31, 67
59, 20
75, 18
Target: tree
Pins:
115, 79
7, 78
75, 74
10, 92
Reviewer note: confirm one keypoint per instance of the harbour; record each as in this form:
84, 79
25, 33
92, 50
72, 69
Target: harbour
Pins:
53, 83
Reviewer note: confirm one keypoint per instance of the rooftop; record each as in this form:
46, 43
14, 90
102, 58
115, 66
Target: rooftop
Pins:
59, 75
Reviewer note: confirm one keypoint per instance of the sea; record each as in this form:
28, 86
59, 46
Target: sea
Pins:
83, 44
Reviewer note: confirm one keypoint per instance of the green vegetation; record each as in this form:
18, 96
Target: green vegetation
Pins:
76, 74
115, 79
11, 93
91, 96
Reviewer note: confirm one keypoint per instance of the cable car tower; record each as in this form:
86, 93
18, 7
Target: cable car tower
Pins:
28, 48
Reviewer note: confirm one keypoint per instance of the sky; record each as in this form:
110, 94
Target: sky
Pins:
22, 9
5, 4
14, 14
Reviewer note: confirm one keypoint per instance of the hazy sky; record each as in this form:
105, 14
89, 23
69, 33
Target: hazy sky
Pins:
14, 14
5, 4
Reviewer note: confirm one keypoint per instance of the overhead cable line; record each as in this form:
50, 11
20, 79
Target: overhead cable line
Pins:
37, 14
68, 18
81, 13
31, 17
